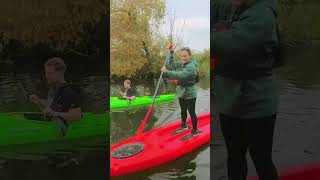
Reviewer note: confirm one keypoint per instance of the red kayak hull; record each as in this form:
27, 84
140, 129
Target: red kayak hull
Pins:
160, 147
305, 172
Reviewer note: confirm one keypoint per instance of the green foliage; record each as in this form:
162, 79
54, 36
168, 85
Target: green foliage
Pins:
203, 59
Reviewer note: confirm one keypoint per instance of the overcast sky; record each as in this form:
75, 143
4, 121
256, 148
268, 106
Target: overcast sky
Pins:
196, 13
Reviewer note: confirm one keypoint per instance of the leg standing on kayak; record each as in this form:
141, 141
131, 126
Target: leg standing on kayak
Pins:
62, 101
244, 40
186, 73
128, 94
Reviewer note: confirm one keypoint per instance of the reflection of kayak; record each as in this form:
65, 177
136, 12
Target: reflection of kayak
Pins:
116, 102
159, 147
16, 129
309, 172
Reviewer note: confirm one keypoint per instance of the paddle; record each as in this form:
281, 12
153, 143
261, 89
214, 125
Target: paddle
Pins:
144, 121
25, 93
61, 125
27, 96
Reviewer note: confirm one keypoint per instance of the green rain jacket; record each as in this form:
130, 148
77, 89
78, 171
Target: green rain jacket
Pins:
244, 83
186, 74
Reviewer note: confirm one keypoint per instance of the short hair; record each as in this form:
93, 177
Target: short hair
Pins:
127, 81
186, 49
57, 63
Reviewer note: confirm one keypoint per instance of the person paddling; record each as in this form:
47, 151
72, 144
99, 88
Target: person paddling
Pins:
186, 76
128, 94
62, 104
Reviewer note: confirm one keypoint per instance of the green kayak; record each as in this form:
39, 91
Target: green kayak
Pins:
116, 102
16, 129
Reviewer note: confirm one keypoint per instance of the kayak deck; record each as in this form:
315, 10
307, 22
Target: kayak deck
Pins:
15, 129
160, 147
117, 102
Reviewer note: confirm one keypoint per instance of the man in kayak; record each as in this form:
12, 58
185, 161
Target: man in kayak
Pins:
185, 72
244, 40
62, 102
128, 94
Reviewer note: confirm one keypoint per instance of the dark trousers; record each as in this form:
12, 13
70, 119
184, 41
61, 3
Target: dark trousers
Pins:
190, 106
255, 135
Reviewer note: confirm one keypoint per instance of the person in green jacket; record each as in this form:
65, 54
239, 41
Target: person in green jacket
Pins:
243, 41
185, 72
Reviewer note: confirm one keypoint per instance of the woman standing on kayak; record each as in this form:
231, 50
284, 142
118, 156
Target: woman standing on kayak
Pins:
244, 40
185, 72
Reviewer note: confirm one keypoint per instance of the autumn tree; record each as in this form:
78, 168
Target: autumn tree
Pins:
135, 35
58, 23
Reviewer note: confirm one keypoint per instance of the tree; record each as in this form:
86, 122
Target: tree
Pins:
203, 59
58, 23
134, 29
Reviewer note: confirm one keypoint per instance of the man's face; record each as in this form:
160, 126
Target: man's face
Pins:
238, 2
52, 75
184, 56
126, 85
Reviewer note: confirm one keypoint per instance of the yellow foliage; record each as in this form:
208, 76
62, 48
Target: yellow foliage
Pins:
49, 21
133, 25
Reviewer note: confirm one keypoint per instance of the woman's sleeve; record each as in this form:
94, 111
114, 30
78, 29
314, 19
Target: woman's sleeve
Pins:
172, 64
186, 73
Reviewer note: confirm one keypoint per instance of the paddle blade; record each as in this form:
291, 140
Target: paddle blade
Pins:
143, 123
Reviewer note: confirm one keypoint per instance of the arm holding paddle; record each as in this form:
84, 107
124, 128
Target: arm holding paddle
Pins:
179, 75
122, 93
129, 98
42, 103
72, 114
129, 95
172, 64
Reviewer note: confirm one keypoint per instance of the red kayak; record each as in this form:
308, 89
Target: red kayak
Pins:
160, 146
306, 172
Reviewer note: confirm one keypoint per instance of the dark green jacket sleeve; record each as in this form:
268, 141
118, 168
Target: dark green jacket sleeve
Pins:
220, 15
185, 74
171, 63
